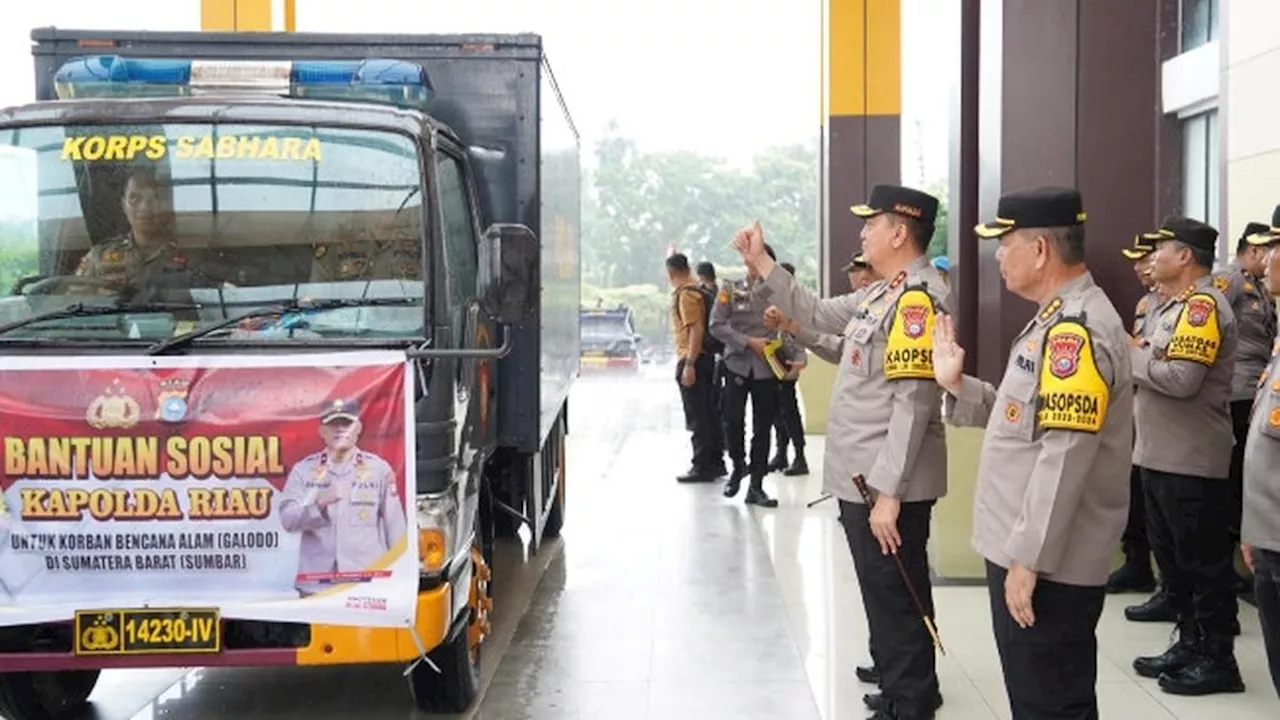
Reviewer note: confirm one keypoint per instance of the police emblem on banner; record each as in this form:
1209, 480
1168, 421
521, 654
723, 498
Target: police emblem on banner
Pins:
1064, 354
171, 402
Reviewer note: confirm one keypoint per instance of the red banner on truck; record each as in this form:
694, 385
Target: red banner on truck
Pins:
249, 487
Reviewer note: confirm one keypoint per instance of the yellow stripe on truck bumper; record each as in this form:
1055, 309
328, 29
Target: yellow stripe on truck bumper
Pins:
338, 645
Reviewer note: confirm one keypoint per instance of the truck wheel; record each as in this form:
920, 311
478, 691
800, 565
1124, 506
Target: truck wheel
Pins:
455, 687
45, 695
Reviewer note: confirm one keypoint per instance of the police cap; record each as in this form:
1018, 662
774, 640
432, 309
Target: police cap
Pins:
342, 409
1046, 207
857, 262
1139, 249
1256, 233
899, 200
1187, 231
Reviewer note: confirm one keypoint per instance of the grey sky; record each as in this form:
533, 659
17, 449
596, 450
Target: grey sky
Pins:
724, 77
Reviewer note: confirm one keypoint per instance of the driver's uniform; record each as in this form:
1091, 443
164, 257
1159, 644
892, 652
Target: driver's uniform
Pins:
368, 260
123, 261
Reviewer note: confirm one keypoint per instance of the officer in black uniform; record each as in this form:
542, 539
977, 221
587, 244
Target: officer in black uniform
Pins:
738, 321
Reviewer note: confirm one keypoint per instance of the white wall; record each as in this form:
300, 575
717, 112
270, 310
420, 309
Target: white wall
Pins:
1252, 153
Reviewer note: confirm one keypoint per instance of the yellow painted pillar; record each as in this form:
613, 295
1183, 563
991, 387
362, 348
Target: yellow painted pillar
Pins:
239, 15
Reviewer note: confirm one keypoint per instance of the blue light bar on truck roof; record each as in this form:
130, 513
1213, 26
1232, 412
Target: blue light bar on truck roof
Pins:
397, 82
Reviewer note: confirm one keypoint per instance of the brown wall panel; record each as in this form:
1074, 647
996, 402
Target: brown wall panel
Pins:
1118, 95
863, 151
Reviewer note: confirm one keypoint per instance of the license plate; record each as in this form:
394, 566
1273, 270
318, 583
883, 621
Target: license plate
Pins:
148, 631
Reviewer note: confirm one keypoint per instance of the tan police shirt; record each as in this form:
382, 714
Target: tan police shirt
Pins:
1184, 385
1053, 477
1255, 327
1146, 304
885, 421
1260, 524
686, 313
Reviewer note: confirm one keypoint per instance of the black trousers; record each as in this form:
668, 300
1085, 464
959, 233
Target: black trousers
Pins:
699, 414
1050, 668
1266, 590
1240, 426
789, 426
1188, 521
1134, 539
764, 407
901, 646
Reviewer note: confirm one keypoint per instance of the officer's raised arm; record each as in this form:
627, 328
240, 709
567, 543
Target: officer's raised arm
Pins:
1072, 412
829, 315
968, 400
297, 512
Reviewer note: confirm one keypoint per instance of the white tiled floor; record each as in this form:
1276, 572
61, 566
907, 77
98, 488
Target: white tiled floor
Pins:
816, 578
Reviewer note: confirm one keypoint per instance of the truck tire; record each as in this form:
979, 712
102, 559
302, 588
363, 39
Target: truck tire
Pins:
455, 687
45, 695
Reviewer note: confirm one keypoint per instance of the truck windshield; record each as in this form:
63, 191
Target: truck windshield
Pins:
186, 224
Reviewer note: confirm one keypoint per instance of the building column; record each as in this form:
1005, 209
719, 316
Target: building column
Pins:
1069, 96
862, 105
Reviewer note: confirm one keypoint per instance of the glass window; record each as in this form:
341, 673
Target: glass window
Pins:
1200, 171
459, 239
227, 216
1199, 21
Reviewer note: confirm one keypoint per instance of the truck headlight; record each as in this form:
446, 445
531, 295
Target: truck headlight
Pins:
437, 530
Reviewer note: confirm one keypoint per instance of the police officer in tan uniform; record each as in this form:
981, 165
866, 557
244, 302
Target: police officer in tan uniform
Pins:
1135, 574
147, 257
1241, 283
343, 500
1052, 495
860, 272
1260, 525
1183, 368
737, 320
885, 425
364, 254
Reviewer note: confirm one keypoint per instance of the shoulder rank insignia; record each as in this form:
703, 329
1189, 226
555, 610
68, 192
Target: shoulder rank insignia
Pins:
1182, 297
1221, 283
1073, 392
1142, 306
1248, 286
1050, 310
321, 250
897, 280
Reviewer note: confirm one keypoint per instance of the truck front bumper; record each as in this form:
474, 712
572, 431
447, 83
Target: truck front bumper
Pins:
303, 644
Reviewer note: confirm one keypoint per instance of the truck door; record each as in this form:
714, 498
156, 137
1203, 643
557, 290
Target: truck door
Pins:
467, 325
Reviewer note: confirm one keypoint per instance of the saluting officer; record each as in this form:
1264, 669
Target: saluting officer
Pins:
1135, 574
737, 320
884, 424
342, 499
1183, 368
1052, 496
1260, 525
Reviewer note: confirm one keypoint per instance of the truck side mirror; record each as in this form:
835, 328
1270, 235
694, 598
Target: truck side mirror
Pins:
509, 262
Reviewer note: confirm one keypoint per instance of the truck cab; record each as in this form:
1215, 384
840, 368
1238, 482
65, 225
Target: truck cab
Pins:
190, 194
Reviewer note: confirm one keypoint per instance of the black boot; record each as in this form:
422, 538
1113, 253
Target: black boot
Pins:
875, 701
1156, 609
757, 496
779, 461
735, 481
869, 674
799, 467
1212, 671
1135, 574
1184, 650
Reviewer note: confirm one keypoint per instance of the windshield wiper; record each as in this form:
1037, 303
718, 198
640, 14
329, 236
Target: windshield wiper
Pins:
77, 310
296, 306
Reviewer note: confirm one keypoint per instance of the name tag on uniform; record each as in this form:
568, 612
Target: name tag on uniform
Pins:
863, 332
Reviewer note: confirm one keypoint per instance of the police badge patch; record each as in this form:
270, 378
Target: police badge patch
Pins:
1221, 283
914, 318
1064, 354
1198, 310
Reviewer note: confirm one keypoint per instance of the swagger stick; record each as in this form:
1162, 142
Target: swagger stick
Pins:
861, 483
